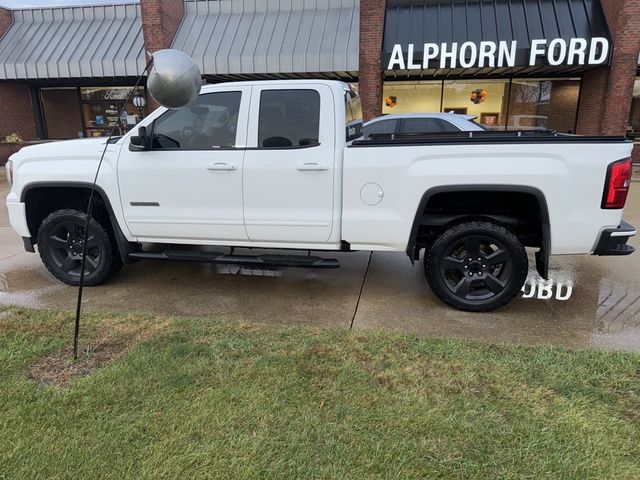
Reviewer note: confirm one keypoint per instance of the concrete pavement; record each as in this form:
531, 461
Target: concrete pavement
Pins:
595, 301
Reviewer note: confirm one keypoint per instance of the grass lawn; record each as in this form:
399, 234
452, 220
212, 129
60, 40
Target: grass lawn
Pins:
189, 398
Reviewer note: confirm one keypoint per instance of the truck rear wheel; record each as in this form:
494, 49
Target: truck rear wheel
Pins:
60, 239
476, 266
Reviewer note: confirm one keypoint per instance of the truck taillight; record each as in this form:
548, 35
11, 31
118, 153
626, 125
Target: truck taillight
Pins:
617, 184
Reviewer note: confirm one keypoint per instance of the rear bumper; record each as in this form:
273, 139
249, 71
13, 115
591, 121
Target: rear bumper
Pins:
613, 241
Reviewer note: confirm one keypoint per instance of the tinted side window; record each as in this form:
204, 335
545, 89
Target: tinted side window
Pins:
289, 118
447, 126
209, 122
427, 125
381, 127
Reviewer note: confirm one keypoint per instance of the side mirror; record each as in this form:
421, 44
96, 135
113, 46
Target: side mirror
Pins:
140, 142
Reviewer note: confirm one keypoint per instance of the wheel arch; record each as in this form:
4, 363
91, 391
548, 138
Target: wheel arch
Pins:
542, 255
35, 216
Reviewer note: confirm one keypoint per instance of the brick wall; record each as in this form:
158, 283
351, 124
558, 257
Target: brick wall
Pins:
591, 105
370, 79
562, 106
160, 22
17, 113
17, 117
606, 92
5, 20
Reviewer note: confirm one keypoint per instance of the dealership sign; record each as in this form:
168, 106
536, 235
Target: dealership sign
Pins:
555, 52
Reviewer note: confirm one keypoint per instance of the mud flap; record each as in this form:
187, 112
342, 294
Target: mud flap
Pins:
542, 255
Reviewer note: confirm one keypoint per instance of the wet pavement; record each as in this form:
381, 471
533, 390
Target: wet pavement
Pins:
591, 302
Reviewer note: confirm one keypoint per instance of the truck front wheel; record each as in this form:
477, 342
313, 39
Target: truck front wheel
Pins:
476, 266
60, 238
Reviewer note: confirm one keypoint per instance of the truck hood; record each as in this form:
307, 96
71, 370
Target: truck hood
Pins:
84, 148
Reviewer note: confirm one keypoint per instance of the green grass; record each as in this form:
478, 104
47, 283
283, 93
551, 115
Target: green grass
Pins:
204, 398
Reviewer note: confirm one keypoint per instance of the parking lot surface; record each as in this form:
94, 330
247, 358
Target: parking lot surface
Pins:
589, 302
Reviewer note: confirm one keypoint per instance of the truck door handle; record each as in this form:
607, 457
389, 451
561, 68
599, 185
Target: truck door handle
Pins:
221, 166
312, 166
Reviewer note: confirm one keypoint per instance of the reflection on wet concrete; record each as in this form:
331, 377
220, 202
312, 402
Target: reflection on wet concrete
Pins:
590, 302
311, 297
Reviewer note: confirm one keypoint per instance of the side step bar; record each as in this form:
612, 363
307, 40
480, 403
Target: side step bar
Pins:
267, 260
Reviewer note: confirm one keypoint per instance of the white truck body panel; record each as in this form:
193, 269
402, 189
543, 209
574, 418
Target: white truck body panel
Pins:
197, 198
67, 163
303, 211
270, 200
570, 176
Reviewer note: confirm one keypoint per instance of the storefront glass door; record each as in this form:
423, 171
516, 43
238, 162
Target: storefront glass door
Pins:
61, 111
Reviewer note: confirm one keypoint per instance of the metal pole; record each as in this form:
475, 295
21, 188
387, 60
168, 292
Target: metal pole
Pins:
76, 332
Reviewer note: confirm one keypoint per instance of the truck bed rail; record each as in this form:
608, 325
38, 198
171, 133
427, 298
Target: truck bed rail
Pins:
490, 137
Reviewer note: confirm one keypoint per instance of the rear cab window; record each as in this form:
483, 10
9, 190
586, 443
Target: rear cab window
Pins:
289, 118
353, 115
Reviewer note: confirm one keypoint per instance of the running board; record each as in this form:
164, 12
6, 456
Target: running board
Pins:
267, 260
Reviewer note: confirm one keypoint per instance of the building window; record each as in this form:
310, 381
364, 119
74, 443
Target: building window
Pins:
543, 104
634, 119
100, 108
485, 99
517, 104
411, 97
61, 111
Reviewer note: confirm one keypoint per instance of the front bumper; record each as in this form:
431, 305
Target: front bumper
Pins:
18, 218
613, 241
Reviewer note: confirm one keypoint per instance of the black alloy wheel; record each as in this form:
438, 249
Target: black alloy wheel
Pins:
476, 266
60, 242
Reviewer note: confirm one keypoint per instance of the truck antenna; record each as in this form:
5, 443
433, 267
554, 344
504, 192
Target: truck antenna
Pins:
85, 233
174, 82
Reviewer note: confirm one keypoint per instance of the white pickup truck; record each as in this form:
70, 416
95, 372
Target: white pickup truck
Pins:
281, 165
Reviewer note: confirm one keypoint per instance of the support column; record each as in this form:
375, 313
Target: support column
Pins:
160, 22
371, 78
605, 98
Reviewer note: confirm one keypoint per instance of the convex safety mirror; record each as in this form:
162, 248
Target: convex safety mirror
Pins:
174, 82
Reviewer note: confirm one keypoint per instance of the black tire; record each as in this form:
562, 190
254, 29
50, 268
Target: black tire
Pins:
476, 266
60, 246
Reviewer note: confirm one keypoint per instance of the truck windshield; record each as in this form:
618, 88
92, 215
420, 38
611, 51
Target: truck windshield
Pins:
353, 115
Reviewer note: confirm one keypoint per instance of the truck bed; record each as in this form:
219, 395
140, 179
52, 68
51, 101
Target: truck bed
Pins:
566, 172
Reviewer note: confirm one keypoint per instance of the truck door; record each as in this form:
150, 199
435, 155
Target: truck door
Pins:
188, 186
288, 180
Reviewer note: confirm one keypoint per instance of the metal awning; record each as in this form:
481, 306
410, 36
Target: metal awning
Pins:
73, 42
261, 37
421, 22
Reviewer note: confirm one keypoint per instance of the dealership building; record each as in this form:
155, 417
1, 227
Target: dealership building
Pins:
567, 65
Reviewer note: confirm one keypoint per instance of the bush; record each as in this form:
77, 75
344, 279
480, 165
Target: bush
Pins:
13, 138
